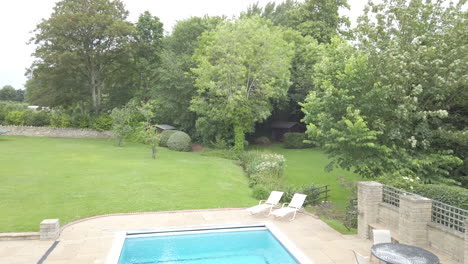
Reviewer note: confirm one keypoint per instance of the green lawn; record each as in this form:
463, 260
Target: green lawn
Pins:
307, 166
71, 179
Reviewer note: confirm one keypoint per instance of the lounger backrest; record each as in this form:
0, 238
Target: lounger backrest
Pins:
360, 259
274, 198
297, 200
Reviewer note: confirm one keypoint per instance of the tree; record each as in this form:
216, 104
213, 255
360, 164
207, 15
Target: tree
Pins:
121, 126
84, 37
147, 49
382, 110
8, 93
176, 86
319, 19
241, 68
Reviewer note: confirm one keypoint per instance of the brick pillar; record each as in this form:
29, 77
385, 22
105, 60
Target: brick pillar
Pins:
465, 255
415, 214
49, 229
369, 196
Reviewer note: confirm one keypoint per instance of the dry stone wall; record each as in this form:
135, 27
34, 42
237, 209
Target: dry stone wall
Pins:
30, 131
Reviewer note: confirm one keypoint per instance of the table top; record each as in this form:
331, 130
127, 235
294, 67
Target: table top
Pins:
395, 253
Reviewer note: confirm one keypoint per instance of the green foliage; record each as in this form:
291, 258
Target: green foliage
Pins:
8, 93
377, 113
175, 87
78, 49
80, 120
165, 135
120, 120
241, 68
295, 141
179, 141
6, 107
103, 122
38, 118
452, 195
262, 141
15, 118
261, 192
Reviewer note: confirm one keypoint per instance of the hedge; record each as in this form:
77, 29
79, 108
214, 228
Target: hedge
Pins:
451, 195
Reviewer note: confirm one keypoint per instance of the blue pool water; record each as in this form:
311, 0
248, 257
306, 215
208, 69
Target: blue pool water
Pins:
234, 247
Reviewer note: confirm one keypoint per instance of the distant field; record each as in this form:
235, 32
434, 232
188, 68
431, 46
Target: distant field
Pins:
71, 179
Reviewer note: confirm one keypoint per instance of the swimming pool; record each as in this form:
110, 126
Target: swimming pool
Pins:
253, 244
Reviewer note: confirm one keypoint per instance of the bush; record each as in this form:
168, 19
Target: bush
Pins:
295, 141
40, 118
80, 120
103, 122
265, 163
165, 135
179, 141
6, 107
264, 141
451, 195
15, 118
261, 192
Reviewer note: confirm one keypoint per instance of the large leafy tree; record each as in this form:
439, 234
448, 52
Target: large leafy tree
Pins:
387, 110
241, 68
79, 43
176, 86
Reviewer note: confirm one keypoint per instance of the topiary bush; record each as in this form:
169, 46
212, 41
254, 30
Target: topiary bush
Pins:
179, 141
295, 141
165, 135
451, 195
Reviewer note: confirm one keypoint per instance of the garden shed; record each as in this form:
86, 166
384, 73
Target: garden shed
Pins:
161, 128
279, 128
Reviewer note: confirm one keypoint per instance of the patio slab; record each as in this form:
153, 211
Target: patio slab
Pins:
89, 240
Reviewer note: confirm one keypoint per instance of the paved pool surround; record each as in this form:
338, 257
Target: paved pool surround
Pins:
90, 240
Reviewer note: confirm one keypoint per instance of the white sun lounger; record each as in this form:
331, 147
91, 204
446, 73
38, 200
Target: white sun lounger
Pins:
296, 204
263, 205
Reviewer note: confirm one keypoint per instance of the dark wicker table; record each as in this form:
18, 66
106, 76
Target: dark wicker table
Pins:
403, 254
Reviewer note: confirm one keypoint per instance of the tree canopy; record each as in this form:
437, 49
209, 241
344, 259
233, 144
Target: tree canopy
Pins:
76, 47
384, 108
241, 68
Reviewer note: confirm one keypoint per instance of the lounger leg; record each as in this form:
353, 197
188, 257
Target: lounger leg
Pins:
294, 216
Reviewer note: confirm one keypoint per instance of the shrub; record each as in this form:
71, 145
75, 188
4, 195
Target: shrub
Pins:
261, 192
16, 118
179, 141
165, 135
40, 118
80, 120
295, 141
266, 163
264, 141
103, 122
451, 195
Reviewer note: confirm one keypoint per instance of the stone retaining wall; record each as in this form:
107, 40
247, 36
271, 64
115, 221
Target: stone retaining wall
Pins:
30, 131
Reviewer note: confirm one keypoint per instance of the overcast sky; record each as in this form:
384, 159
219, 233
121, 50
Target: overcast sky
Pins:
19, 17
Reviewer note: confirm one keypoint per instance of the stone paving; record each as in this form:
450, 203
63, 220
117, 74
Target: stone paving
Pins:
89, 240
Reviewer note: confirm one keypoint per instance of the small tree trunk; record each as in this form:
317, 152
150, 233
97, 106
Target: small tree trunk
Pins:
153, 152
238, 137
120, 141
